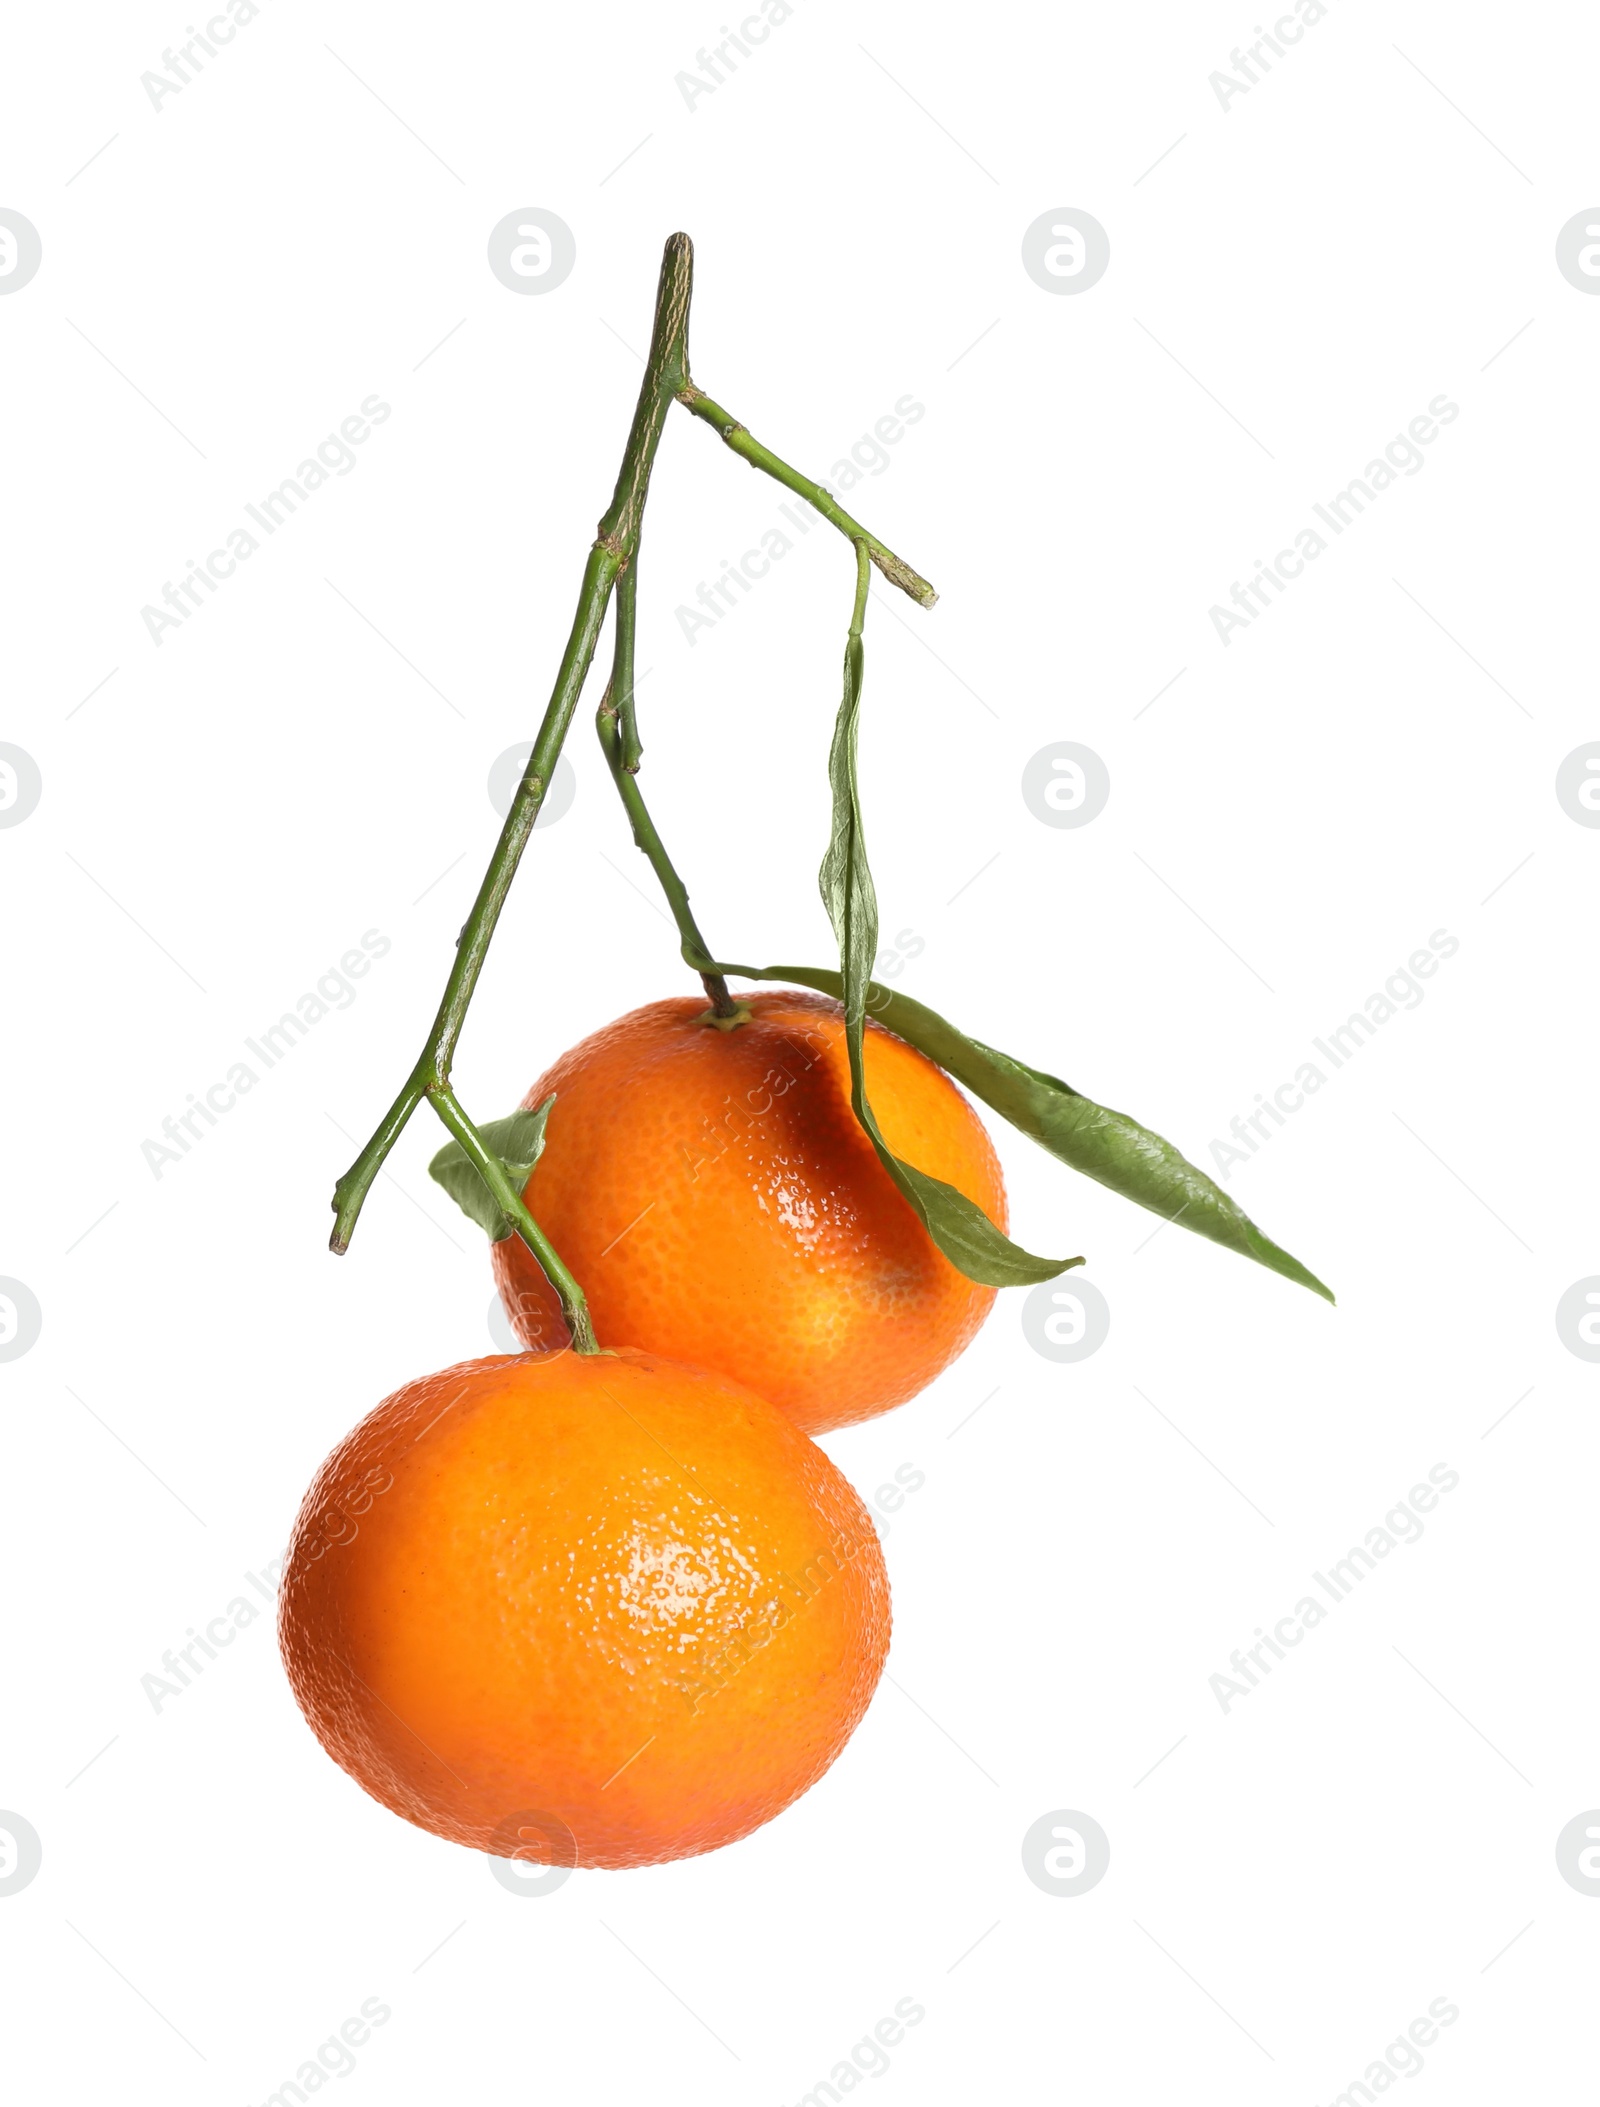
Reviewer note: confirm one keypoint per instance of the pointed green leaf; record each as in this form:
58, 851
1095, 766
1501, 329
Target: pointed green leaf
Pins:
518, 1141
960, 1228
1108, 1146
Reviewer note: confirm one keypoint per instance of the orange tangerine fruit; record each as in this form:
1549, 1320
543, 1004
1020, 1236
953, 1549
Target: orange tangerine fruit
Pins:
595, 1610
716, 1197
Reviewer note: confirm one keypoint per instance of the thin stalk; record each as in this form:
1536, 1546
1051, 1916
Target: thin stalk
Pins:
619, 689
666, 375
619, 737
750, 449
858, 613
574, 1305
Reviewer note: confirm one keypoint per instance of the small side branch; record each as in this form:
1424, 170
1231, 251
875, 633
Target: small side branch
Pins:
574, 1305
751, 449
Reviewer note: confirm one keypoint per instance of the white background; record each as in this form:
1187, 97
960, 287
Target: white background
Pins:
305, 760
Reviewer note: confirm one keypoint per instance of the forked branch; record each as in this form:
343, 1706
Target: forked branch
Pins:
666, 380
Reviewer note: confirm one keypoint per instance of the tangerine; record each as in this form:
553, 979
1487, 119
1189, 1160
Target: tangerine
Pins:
585, 1609
717, 1198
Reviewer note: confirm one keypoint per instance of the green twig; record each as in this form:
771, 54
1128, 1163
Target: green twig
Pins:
816, 494
618, 732
666, 374
574, 1305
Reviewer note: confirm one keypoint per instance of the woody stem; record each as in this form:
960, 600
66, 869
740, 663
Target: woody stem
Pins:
748, 448
666, 375
574, 1305
619, 742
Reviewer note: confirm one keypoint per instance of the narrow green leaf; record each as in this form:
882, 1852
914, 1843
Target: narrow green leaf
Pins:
960, 1228
1108, 1146
518, 1141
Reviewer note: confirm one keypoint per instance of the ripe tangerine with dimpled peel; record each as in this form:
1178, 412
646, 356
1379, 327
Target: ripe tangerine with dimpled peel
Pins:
716, 1195
627, 1599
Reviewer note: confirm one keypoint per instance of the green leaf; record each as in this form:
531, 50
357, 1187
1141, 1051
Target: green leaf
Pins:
518, 1141
960, 1228
1108, 1146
